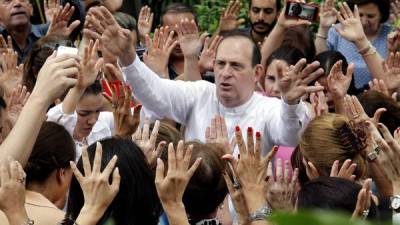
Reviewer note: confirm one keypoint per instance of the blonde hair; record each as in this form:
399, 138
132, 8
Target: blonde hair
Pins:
332, 137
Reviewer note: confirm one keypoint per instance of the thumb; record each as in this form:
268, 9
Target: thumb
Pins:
240, 21
203, 36
73, 26
378, 113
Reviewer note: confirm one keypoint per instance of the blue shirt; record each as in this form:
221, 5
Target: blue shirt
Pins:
350, 51
37, 32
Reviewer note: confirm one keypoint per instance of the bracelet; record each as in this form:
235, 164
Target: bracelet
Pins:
365, 49
260, 214
321, 36
29, 222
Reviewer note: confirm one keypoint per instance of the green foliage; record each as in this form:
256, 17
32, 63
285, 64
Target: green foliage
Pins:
316, 218
208, 11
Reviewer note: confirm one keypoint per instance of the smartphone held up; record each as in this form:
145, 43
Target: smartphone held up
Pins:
300, 10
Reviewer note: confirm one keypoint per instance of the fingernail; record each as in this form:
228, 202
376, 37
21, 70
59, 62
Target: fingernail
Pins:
237, 128
250, 130
258, 134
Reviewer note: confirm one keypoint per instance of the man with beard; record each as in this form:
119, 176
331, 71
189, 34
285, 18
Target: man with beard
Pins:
15, 15
262, 15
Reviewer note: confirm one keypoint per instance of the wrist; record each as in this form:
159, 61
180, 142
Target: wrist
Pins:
323, 30
254, 197
17, 216
290, 101
362, 43
128, 58
91, 213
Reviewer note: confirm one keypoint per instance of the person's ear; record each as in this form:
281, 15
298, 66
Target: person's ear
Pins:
63, 176
258, 72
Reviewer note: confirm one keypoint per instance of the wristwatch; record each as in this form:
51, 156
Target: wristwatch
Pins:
395, 203
261, 213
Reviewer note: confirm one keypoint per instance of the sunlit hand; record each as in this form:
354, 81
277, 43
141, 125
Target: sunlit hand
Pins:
145, 21
207, 57
293, 83
189, 39
50, 9
10, 73
229, 20
59, 23
350, 26
327, 15
338, 82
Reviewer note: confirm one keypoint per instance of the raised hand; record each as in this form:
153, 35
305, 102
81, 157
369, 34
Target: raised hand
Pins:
379, 86
89, 66
50, 9
97, 190
393, 41
207, 57
286, 22
339, 83
319, 102
356, 113
281, 192
12, 191
5, 45
346, 171
56, 75
294, 82
350, 24
327, 16
394, 12
189, 39
159, 51
391, 70
19, 96
251, 169
170, 187
147, 141
218, 133
145, 21
10, 73
59, 23
229, 20
363, 201
125, 121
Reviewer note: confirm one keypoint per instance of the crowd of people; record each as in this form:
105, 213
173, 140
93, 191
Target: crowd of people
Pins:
107, 118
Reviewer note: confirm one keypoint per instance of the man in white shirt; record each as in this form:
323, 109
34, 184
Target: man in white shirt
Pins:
236, 69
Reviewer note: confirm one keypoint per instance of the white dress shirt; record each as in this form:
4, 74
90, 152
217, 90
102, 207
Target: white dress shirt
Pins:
102, 128
194, 104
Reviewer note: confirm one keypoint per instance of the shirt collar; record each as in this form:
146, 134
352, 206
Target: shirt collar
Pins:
238, 109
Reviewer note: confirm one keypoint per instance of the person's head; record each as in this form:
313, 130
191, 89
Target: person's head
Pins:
372, 13
332, 137
48, 165
15, 14
126, 21
88, 109
40, 51
373, 100
301, 37
237, 69
169, 134
263, 15
327, 60
111, 5
285, 56
332, 193
137, 202
206, 189
171, 16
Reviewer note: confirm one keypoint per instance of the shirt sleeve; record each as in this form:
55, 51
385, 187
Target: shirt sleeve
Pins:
57, 115
162, 98
286, 122
332, 41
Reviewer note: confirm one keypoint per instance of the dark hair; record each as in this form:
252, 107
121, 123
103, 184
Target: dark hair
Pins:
332, 193
328, 59
373, 100
206, 189
256, 56
286, 53
137, 202
177, 8
383, 6
277, 2
3, 103
53, 149
296, 161
37, 56
126, 21
94, 89
169, 134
